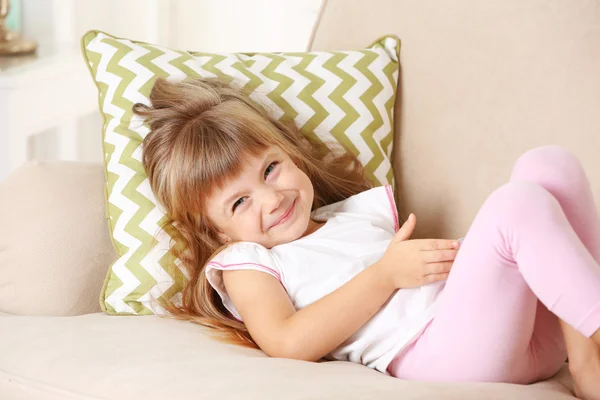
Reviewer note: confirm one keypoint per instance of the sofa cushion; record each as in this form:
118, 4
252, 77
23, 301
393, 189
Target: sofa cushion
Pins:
54, 243
86, 357
343, 96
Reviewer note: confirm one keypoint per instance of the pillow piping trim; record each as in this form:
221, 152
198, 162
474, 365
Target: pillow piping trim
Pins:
85, 39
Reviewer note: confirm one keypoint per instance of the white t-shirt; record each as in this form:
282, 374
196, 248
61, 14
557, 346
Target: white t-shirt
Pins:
356, 234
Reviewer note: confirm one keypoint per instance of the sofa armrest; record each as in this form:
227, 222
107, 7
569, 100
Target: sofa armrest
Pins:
55, 248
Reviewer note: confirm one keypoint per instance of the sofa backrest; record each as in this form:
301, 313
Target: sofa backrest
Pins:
480, 83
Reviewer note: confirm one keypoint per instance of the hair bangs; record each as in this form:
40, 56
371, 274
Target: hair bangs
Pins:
236, 134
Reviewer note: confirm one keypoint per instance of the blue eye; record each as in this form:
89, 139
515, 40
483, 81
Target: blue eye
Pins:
267, 171
237, 203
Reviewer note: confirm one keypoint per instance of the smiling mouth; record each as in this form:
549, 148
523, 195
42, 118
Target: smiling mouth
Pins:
286, 215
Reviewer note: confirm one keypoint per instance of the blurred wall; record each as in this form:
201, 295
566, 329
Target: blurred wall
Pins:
205, 25
237, 25
208, 25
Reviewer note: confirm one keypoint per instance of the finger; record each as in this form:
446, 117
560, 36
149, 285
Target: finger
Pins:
410, 221
438, 268
439, 256
407, 228
435, 277
437, 244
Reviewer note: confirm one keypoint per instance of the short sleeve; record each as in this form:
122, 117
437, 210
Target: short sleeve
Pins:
376, 204
240, 255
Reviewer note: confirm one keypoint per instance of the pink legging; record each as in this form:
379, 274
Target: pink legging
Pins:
534, 246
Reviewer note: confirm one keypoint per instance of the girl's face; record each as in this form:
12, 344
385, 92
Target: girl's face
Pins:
269, 203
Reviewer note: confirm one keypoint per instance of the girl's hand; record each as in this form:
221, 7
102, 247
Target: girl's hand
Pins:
412, 263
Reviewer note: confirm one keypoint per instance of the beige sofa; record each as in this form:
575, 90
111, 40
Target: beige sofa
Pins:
481, 82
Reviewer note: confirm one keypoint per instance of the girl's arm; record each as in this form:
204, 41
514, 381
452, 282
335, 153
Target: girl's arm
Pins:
317, 329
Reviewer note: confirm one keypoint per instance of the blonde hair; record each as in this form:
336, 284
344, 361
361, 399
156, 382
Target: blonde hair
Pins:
200, 129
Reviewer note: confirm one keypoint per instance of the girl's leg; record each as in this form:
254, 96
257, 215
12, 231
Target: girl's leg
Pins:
561, 173
520, 243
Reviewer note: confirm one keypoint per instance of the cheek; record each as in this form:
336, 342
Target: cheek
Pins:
249, 222
305, 181
211, 220
299, 177
305, 186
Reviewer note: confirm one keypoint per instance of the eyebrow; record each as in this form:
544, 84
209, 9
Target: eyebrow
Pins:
262, 164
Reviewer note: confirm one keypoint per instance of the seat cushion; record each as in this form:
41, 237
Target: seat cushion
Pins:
90, 357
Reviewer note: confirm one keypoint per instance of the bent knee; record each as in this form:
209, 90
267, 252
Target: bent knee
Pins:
549, 163
522, 200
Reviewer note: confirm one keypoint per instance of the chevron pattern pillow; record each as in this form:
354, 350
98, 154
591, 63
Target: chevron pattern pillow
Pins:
343, 96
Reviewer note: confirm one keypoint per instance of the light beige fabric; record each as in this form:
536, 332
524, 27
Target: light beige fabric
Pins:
54, 243
480, 83
90, 357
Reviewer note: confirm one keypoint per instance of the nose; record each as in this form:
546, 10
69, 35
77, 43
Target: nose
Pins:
270, 200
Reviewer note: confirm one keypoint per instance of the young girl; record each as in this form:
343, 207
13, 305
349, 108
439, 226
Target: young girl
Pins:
290, 249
